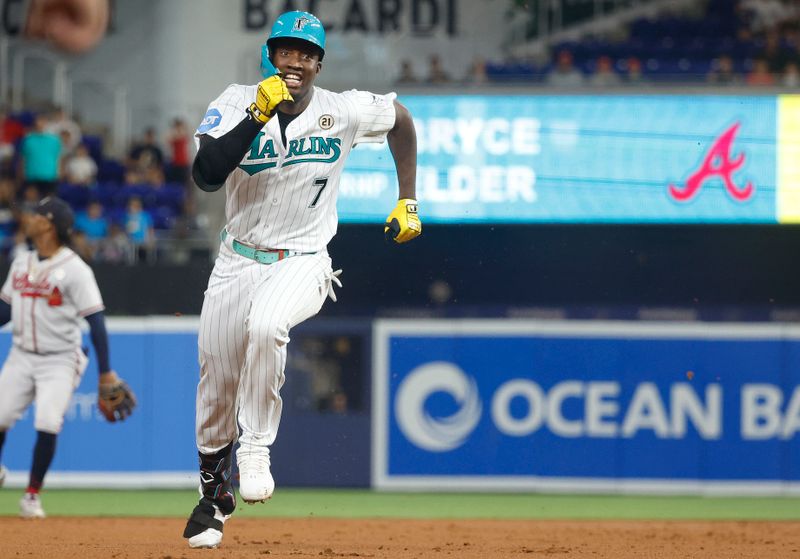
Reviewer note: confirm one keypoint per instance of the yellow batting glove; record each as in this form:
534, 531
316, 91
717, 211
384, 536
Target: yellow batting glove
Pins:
403, 223
271, 92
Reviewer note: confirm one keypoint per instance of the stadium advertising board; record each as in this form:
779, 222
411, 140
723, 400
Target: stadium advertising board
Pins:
599, 158
586, 406
155, 446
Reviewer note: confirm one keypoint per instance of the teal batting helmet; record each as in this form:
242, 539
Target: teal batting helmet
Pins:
299, 25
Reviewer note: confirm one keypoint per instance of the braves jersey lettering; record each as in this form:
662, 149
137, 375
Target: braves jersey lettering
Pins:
273, 198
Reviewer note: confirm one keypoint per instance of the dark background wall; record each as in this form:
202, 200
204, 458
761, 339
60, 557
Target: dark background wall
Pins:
492, 268
577, 265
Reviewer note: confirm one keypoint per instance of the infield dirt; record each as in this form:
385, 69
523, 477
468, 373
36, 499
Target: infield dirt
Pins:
160, 538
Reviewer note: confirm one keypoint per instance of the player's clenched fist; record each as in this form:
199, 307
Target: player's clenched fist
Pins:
403, 223
271, 92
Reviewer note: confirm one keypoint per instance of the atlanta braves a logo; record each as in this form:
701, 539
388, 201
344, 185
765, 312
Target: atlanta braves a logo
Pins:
717, 163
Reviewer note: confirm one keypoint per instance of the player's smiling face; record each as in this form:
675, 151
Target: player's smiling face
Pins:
298, 63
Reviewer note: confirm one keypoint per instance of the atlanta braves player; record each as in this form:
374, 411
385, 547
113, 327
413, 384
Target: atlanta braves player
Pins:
279, 148
47, 293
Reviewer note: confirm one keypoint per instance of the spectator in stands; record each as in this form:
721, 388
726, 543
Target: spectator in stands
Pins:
633, 72
29, 197
93, 223
760, 74
116, 247
791, 76
436, 72
40, 154
604, 75
565, 74
476, 73
80, 169
406, 75
723, 72
8, 222
11, 130
178, 141
79, 242
66, 129
154, 177
139, 224
65, 141
144, 156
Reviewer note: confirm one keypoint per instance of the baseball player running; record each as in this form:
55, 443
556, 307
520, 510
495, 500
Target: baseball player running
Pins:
278, 147
47, 293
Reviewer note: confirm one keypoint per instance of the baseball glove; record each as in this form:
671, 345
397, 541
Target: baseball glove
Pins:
115, 399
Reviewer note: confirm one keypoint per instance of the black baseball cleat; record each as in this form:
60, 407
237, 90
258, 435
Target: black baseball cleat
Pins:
217, 500
204, 527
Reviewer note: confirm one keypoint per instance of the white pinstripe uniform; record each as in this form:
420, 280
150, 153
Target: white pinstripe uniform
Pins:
48, 299
279, 197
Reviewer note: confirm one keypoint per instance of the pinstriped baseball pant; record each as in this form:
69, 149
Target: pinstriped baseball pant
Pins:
248, 311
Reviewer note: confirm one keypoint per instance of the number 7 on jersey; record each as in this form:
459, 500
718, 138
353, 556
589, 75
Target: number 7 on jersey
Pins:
321, 184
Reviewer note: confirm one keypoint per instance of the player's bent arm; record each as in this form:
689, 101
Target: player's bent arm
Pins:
403, 223
218, 157
402, 140
97, 331
115, 400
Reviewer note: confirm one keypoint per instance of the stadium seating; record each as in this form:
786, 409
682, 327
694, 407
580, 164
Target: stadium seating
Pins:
164, 203
674, 48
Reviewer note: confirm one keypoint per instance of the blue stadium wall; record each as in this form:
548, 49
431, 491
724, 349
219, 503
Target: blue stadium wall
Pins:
475, 405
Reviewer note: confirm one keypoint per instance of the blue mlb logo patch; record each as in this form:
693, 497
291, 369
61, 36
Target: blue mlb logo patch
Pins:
210, 121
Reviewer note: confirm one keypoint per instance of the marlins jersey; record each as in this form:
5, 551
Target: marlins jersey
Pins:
284, 196
48, 300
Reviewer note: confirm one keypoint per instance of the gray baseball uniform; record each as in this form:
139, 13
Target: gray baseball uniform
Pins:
48, 299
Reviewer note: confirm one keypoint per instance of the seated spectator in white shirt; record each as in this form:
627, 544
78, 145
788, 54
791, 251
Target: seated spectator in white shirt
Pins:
565, 74
80, 168
604, 75
66, 128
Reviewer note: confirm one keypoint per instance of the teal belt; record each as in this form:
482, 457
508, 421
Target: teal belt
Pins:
260, 255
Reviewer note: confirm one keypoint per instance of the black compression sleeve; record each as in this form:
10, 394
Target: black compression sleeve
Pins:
97, 331
218, 157
5, 312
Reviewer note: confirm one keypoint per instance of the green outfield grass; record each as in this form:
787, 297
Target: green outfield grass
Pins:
368, 504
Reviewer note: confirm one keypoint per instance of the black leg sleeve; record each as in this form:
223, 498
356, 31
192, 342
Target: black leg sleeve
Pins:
215, 479
43, 454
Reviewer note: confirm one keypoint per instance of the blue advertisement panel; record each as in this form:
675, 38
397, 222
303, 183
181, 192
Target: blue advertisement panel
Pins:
600, 158
159, 362
586, 405
155, 447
